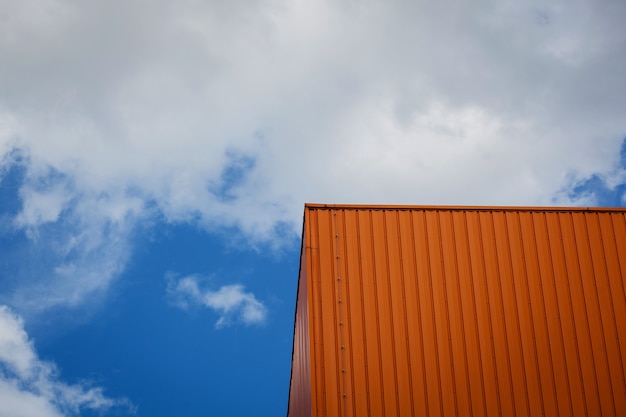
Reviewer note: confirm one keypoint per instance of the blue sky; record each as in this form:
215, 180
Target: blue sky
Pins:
155, 158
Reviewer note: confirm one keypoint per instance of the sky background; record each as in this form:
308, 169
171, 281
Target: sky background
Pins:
155, 158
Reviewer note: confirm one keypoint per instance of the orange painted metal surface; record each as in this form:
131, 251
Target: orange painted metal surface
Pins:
471, 311
300, 385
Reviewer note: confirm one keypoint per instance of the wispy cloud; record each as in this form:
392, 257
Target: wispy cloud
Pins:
76, 242
231, 302
30, 387
606, 189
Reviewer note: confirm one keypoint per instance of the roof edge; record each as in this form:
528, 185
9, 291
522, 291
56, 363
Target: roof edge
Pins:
322, 206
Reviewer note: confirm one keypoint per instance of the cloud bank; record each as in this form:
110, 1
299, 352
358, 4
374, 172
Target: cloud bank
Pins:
231, 302
30, 387
233, 115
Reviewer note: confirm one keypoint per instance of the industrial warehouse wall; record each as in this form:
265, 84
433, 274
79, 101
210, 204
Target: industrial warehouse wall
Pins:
426, 311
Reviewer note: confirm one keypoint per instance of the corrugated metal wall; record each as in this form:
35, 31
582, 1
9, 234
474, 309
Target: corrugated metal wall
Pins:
451, 311
300, 385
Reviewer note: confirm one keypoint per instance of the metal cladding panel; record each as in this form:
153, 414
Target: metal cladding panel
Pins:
300, 385
466, 311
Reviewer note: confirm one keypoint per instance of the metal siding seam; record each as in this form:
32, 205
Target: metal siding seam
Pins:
341, 324
330, 352
611, 307
500, 300
384, 311
429, 325
545, 315
617, 293
347, 257
319, 326
444, 253
348, 349
602, 346
571, 311
424, 316
622, 267
405, 310
403, 358
622, 262
447, 312
311, 301
390, 300
582, 241
460, 311
489, 314
376, 307
488, 295
516, 308
585, 316
328, 375
434, 322
558, 310
419, 310
475, 314
530, 311
445, 326
621, 218
371, 316
367, 388
315, 319
600, 310
330, 336
485, 325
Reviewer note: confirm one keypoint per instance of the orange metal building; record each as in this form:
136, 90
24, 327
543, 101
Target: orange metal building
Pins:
428, 311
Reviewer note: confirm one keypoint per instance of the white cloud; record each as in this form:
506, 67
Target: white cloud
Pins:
481, 102
231, 302
78, 243
31, 387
